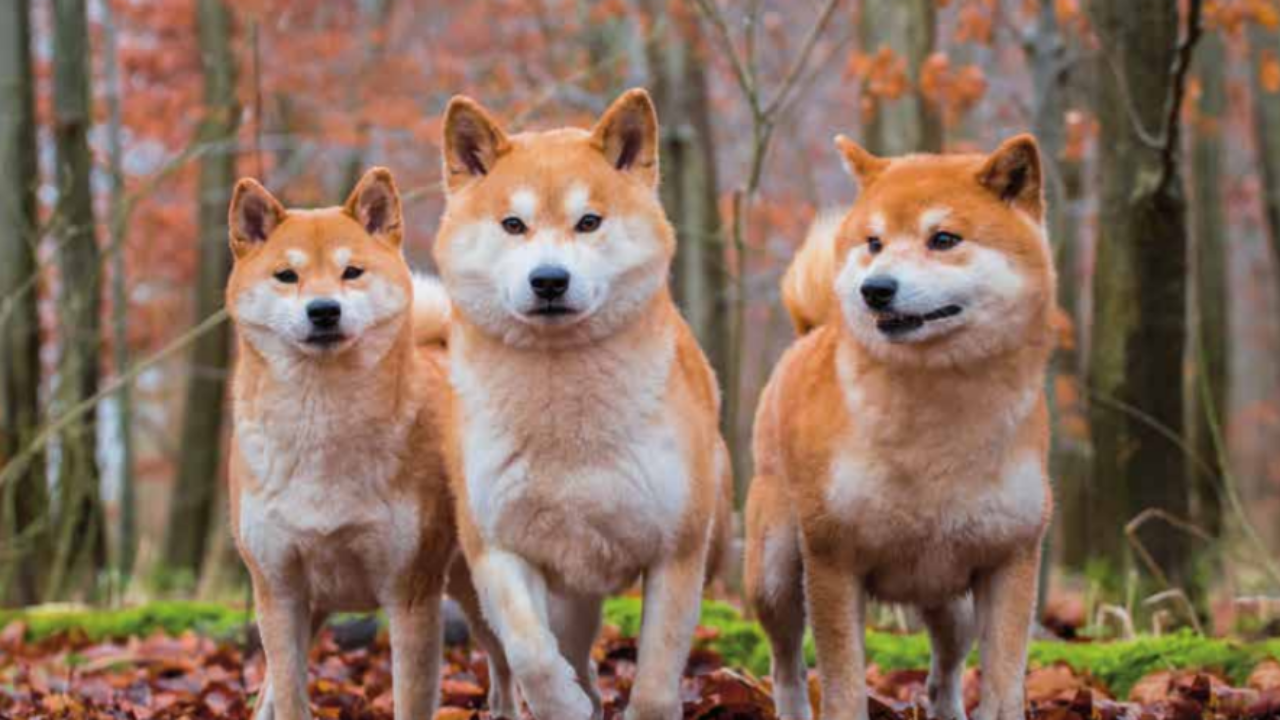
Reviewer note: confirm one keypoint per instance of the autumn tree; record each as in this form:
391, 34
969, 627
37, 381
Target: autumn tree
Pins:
1140, 282
1209, 346
902, 33
80, 542
1264, 60
24, 506
195, 494
690, 182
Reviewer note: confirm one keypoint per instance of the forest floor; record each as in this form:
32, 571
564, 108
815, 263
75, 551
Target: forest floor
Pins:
176, 661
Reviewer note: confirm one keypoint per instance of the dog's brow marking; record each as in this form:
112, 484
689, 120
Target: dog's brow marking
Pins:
878, 224
296, 258
524, 203
575, 201
932, 218
342, 256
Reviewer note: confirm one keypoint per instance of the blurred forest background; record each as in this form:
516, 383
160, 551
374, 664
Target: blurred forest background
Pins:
124, 123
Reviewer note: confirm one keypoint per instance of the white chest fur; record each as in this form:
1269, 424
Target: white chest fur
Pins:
931, 493
323, 514
573, 461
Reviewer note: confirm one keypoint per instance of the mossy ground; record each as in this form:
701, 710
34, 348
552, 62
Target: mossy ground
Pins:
1117, 664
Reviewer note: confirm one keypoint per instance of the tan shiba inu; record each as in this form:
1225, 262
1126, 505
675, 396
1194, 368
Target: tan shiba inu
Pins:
901, 443
586, 451
338, 488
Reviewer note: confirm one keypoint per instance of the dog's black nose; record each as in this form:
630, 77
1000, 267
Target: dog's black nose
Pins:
549, 281
324, 313
878, 291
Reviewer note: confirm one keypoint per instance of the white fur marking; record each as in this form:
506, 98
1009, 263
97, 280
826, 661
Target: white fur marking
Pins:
575, 201
878, 226
342, 256
932, 219
524, 203
296, 258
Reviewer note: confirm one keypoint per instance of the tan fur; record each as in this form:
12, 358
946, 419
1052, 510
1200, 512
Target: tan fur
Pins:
807, 286
338, 489
585, 453
909, 471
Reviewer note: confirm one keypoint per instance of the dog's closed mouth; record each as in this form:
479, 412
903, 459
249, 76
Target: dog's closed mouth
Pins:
325, 339
552, 311
897, 324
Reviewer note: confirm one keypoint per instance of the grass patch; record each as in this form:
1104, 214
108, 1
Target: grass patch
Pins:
740, 642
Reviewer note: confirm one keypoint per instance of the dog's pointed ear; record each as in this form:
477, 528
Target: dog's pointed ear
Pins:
862, 165
1013, 173
627, 134
375, 204
253, 216
473, 141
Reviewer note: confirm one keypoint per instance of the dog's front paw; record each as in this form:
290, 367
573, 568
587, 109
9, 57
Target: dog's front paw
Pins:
552, 692
650, 708
946, 699
791, 701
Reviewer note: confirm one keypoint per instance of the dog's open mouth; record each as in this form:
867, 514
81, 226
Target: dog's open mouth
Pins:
900, 324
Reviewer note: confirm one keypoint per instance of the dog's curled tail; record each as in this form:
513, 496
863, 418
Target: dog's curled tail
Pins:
808, 286
431, 309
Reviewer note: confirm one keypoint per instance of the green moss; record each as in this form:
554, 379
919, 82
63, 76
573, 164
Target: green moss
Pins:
740, 642
172, 617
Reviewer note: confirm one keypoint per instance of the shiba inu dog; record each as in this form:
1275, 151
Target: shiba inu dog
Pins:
338, 487
901, 442
586, 451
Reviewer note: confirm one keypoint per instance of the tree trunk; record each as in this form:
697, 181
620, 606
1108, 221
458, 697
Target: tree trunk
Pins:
24, 509
1264, 43
80, 544
1208, 398
195, 494
910, 123
690, 187
127, 538
1140, 292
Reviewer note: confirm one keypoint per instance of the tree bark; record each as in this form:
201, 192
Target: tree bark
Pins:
126, 544
1140, 290
196, 492
24, 510
690, 186
910, 123
80, 543
1266, 124
1209, 351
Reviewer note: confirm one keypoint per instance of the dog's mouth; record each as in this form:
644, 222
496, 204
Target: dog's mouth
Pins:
552, 311
897, 324
325, 339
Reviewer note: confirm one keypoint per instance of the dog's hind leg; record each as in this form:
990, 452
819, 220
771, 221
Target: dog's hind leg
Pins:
952, 629
775, 588
576, 622
502, 690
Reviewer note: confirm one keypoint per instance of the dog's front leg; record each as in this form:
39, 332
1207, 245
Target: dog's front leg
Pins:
415, 656
837, 608
284, 621
672, 603
513, 595
1006, 599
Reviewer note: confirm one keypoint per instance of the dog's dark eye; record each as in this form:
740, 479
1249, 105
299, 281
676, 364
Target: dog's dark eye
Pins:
588, 223
944, 241
874, 245
288, 277
514, 226
352, 272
